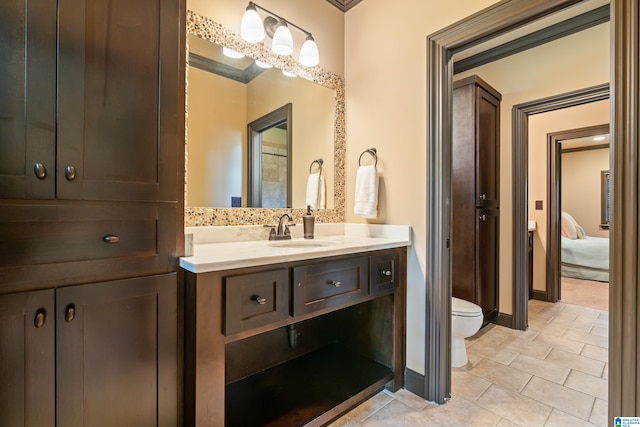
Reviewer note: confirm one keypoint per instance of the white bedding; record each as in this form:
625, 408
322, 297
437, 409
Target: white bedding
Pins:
586, 258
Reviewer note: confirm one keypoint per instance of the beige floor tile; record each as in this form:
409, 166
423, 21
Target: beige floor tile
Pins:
541, 368
600, 331
595, 352
533, 348
583, 311
604, 315
562, 419
518, 409
467, 386
575, 361
461, 412
397, 414
501, 375
362, 411
563, 398
588, 384
605, 374
599, 415
506, 423
554, 329
587, 338
408, 398
561, 343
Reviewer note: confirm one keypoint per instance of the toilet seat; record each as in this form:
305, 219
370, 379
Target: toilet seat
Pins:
462, 308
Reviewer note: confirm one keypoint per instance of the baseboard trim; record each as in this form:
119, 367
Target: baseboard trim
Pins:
503, 320
539, 295
414, 382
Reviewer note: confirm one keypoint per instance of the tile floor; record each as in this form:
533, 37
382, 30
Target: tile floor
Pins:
553, 374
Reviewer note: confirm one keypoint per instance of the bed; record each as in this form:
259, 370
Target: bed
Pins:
585, 258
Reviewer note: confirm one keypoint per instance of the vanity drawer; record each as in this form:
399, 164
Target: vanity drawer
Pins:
383, 272
253, 300
329, 284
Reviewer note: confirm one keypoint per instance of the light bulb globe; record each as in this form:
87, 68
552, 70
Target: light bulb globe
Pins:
309, 56
282, 40
251, 28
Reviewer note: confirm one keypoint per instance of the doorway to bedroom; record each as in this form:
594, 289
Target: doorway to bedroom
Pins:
579, 175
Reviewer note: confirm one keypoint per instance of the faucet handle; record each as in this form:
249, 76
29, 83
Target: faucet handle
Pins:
272, 232
287, 232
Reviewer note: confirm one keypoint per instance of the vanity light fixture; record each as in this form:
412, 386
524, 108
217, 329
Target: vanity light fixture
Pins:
288, 73
252, 29
263, 64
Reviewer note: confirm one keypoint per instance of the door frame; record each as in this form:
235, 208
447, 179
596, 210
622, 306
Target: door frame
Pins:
554, 196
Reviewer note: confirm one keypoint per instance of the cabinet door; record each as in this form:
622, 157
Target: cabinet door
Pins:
487, 262
27, 98
116, 353
27, 361
488, 149
118, 87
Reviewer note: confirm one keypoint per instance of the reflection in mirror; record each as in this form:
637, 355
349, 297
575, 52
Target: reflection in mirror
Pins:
318, 133
269, 174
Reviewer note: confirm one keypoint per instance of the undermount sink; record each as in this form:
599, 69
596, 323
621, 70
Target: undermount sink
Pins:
300, 243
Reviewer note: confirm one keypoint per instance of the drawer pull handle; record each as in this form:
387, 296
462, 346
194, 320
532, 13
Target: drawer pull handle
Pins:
111, 239
260, 300
335, 283
40, 170
70, 313
387, 273
41, 317
70, 173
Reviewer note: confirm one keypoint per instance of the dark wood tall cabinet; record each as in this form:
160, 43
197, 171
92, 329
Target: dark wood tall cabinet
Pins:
91, 211
475, 200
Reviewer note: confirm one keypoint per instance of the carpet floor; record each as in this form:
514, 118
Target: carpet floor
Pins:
585, 293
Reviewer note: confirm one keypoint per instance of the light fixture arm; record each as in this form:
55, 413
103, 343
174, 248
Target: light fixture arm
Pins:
280, 18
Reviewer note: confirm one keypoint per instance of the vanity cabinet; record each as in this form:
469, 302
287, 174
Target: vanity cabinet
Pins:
95, 354
338, 339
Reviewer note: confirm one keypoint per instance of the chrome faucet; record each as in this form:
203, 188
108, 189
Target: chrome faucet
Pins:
283, 232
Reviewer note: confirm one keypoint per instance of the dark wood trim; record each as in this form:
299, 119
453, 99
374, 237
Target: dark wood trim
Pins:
554, 196
344, 5
539, 295
562, 29
605, 188
503, 320
493, 21
275, 118
624, 333
587, 148
414, 382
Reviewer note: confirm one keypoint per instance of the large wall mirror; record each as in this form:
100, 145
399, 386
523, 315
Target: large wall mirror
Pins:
241, 173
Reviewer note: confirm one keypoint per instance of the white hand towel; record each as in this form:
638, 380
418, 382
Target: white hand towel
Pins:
315, 196
366, 192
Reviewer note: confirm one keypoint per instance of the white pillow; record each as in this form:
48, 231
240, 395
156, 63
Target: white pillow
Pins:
568, 226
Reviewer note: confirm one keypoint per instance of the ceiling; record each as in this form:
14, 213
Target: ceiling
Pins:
344, 5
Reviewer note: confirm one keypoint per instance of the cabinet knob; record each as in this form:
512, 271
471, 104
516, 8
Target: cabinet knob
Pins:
483, 197
40, 170
483, 217
70, 313
70, 173
111, 239
41, 317
335, 283
260, 300
387, 273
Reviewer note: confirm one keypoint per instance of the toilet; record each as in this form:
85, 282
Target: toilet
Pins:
466, 320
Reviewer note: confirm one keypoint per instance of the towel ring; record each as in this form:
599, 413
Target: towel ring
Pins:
374, 154
319, 162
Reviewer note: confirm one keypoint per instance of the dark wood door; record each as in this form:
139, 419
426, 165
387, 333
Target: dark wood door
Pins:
27, 98
27, 360
118, 93
116, 353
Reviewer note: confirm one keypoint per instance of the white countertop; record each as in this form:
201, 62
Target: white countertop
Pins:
212, 253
